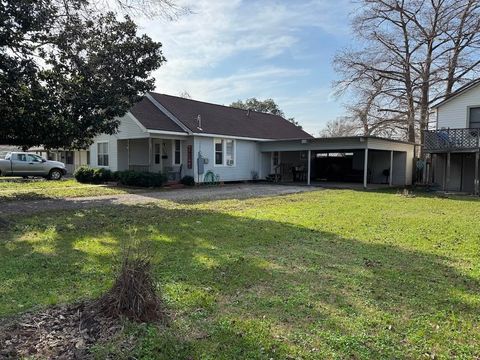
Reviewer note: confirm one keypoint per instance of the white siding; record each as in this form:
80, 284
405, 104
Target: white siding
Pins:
454, 113
112, 151
247, 159
128, 129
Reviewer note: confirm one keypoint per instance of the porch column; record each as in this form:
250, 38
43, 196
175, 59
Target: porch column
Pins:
390, 178
365, 169
309, 160
476, 187
447, 174
128, 154
149, 154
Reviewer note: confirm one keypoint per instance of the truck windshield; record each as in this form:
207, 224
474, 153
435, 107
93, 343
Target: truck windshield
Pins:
8, 156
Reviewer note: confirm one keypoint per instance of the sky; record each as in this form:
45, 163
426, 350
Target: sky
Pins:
226, 50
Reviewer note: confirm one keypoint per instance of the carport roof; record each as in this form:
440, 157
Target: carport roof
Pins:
336, 143
346, 138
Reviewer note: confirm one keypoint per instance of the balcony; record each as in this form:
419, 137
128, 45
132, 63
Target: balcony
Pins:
451, 140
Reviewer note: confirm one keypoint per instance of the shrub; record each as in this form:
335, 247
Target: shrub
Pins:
84, 174
142, 179
101, 176
188, 180
90, 175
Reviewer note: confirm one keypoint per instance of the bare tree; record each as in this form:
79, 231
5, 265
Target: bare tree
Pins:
419, 50
185, 94
339, 128
166, 9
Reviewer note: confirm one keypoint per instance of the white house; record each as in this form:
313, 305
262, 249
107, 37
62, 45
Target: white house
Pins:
179, 137
454, 144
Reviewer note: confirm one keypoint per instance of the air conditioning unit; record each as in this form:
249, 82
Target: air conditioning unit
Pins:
229, 162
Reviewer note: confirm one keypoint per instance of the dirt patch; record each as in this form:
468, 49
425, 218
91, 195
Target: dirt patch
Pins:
61, 332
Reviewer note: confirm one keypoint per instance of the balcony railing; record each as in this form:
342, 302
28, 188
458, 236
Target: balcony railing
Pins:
452, 139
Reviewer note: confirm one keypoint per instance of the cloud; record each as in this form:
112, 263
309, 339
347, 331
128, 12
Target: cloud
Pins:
226, 50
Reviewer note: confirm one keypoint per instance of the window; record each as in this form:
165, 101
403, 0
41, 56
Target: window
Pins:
474, 117
88, 157
177, 152
229, 152
19, 157
69, 157
276, 158
34, 158
218, 152
102, 156
157, 153
224, 152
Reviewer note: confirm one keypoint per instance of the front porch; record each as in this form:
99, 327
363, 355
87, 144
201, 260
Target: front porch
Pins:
172, 156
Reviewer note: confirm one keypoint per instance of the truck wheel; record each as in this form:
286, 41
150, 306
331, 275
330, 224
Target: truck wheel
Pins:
55, 174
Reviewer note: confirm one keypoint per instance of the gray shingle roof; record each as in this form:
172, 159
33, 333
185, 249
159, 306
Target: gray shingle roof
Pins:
152, 118
216, 119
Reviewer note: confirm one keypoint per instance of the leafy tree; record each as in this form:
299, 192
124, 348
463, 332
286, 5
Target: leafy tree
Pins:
266, 106
64, 77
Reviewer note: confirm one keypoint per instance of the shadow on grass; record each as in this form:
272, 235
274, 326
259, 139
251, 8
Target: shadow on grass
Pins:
233, 283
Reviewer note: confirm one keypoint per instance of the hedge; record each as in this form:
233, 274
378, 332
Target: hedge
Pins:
90, 175
142, 179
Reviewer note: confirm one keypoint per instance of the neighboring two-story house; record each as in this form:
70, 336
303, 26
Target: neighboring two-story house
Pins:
454, 146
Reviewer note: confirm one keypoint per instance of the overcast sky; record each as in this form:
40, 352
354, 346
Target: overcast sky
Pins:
235, 49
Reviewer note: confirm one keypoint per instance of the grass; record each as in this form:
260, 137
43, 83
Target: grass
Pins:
42, 189
327, 274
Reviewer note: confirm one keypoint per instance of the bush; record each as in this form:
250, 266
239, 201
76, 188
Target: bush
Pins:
188, 180
142, 179
90, 175
101, 176
84, 174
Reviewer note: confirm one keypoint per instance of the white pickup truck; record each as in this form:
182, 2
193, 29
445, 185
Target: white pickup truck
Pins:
27, 164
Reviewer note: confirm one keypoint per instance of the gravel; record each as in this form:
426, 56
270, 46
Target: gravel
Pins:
195, 194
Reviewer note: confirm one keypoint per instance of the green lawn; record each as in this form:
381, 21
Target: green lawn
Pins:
42, 189
328, 274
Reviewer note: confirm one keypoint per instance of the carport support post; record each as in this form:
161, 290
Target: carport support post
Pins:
365, 169
390, 177
447, 175
128, 154
475, 184
149, 154
309, 160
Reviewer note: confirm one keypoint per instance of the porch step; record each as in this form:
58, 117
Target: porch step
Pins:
174, 185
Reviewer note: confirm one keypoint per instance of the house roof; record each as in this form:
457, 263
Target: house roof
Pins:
152, 118
215, 119
458, 92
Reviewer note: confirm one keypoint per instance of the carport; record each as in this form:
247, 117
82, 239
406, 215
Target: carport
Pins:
359, 159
